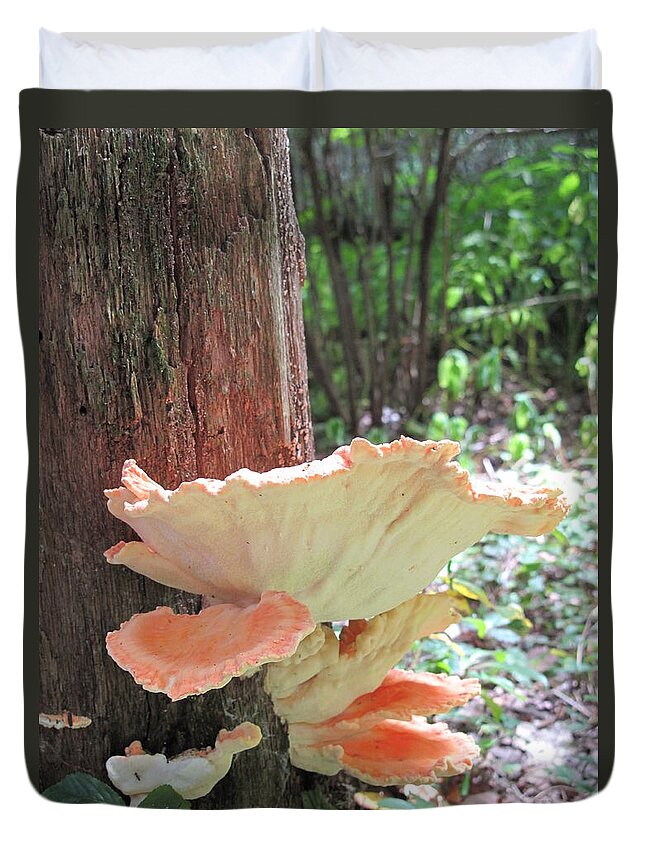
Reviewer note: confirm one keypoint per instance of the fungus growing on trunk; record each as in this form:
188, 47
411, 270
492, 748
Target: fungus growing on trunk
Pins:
393, 752
184, 654
346, 537
342, 669
347, 710
192, 774
64, 720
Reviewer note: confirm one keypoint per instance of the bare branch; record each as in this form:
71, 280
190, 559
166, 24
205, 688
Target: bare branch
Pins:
509, 133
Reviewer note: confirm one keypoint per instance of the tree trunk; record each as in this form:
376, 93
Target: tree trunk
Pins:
428, 231
170, 332
340, 285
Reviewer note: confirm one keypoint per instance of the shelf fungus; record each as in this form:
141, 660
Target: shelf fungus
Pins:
64, 720
185, 655
347, 710
193, 773
346, 537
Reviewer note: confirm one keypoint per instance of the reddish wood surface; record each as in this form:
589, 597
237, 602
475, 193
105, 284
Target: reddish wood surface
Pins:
171, 332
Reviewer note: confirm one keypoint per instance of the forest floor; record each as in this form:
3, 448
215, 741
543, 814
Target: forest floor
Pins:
531, 637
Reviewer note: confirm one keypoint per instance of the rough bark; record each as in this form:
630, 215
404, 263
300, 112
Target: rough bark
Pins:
171, 332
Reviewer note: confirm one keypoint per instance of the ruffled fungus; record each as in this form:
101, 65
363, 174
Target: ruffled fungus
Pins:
184, 654
375, 523
319, 686
192, 774
346, 709
347, 537
393, 752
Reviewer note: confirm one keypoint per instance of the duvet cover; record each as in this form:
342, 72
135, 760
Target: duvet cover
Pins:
314, 408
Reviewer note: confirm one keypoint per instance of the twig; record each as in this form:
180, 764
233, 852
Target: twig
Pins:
552, 788
593, 615
488, 466
501, 134
574, 704
482, 312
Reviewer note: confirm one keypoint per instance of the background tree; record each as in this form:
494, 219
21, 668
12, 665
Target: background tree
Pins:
439, 253
171, 331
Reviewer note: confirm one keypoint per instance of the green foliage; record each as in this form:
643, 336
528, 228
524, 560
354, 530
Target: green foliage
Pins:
587, 364
513, 277
381, 803
488, 372
589, 431
82, 788
538, 244
525, 413
442, 426
389, 803
453, 372
532, 623
519, 446
85, 788
552, 434
164, 797
315, 799
336, 432
377, 435
534, 432
569, 185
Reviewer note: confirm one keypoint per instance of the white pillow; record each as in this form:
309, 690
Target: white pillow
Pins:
286, 62
566, 62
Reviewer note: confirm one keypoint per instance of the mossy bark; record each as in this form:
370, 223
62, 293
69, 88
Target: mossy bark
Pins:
170, 332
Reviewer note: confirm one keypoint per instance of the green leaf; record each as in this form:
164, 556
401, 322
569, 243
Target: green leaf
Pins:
553, 434
164, 797
395, 803
340, 134
453, 370
464, 788
562, 148
577, 211
438, 427
525, 412
453, 297
495, 709
377, 435
457, 428
556, 253
470, 590
559, 536
523, 672
501, 681
82, 788
569, 185
478, 624
481, 289
489, 371
518, 445
335, 431
315, 799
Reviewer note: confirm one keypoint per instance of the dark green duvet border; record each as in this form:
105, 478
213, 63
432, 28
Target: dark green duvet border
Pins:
51, 108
